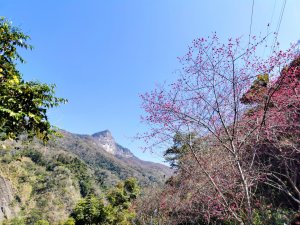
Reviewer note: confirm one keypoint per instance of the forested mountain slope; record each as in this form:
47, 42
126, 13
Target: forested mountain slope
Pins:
110, 161
44, 182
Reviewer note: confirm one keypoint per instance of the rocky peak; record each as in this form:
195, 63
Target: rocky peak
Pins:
103, 134
105, 140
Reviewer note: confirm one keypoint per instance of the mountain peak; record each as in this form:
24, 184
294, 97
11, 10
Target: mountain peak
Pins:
105, 133
105, 140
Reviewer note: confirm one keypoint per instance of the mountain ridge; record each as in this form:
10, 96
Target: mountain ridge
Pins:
102, 152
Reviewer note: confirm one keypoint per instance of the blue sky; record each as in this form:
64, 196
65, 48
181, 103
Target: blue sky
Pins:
103, 54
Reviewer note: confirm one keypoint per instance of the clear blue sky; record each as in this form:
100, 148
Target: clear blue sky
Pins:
103, 54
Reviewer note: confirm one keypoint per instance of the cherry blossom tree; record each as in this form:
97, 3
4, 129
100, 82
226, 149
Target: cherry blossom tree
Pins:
205, 105
277, 146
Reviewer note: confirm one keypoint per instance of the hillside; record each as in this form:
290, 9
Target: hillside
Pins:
110, 161
39, 182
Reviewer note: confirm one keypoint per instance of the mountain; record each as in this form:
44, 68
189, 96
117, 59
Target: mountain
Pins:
105, 140
110, 161
44, 182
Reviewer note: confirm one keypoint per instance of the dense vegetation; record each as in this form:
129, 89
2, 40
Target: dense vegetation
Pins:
23, 104
118, 209
52, 185
46, 187
235, 122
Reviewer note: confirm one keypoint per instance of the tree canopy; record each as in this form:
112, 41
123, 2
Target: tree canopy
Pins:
239, 116
23, 104
116, 208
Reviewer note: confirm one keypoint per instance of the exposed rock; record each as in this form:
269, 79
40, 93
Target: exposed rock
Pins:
6, 197
105, 140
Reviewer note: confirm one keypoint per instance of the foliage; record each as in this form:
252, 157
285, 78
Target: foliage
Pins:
277, 142
175, 154
221, 159
45, 188
272, 216
77, 167
69, 221
148, 210
90, 210
34, 155
14, 221
23, 104
49, 179
117, 210
124, 193
42, 222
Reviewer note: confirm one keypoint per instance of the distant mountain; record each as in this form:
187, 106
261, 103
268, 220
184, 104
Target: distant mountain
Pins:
110, 161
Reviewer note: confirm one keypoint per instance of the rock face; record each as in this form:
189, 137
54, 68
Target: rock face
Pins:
6, 197
105, 140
